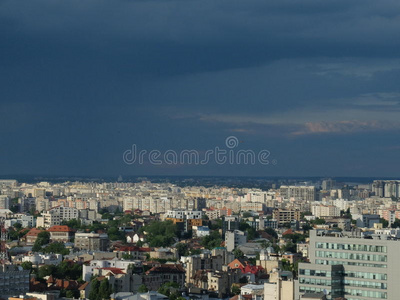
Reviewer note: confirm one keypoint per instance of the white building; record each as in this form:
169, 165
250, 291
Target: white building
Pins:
201, 231
43, 259
234, 238
56, 215
4, 202
87, 271
325, 211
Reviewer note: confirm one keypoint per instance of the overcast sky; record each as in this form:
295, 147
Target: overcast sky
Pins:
316, 83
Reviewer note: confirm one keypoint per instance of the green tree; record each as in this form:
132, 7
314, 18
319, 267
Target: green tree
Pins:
385, 223
289, 247
318, 221
306, 213
69, 294
211, 241
216, 224
166, 288
27, 265
271, 232
68, 270
160, 234
143, 289
74, 223
235, 289
114, 234
183, 249
195, 251
127, 256
43, 238
94, 289
56, 248
104, 289
307, 227
252, 233
238, 253
246, 214
295, 237
396, 223
46, 270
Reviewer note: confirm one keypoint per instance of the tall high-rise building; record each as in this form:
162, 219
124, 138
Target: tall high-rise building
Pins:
386, 188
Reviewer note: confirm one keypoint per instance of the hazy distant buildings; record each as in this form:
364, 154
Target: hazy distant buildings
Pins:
328, 184
386, 188
307, 193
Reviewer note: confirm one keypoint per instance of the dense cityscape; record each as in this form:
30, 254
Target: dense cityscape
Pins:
158, 240
199, 150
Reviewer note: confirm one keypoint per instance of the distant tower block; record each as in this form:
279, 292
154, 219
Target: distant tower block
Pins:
3, 240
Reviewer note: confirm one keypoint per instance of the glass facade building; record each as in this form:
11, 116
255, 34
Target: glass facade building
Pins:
356, 268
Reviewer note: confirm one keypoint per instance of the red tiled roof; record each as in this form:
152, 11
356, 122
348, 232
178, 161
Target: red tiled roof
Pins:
33, 232
83, 286
51, 279
67, 284
289, 231
251, 269
60, 228
133, 248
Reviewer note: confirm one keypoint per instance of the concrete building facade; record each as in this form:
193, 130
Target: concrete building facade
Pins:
348, 265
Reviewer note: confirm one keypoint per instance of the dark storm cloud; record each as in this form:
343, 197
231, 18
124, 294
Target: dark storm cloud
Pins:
82, 80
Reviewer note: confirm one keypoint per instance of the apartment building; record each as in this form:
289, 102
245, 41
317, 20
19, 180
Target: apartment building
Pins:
56, 215
91, 241
351, 266
13, 280
307, 193
204, 261
325, 211
234, 238
283, 216
184, 214
61, 233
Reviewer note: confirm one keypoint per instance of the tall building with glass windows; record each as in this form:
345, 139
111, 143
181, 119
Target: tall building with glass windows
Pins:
352, 266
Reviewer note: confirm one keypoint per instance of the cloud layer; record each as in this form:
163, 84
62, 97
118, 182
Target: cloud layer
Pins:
80, 81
